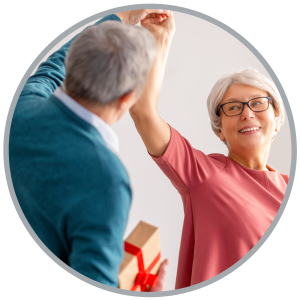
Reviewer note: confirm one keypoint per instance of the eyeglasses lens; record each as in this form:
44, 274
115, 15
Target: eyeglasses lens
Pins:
259, 104
235, 108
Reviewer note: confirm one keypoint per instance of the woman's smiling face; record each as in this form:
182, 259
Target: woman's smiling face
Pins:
260, 126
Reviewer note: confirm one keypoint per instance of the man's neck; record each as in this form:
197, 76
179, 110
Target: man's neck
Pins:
105, 112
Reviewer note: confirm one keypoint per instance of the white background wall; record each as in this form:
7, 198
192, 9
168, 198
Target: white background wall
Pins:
200, 54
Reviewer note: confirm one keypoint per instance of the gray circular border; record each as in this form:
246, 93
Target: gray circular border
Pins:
237, 36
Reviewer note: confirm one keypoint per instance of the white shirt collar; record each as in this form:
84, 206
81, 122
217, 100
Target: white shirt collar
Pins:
109, 136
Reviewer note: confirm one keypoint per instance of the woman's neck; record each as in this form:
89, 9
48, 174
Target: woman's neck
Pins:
256, 160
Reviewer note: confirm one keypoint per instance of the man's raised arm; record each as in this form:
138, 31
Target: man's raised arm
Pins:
154, 131
51, 73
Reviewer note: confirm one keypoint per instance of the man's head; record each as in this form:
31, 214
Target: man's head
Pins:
109, 62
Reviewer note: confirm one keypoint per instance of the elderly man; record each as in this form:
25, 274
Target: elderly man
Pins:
71, 185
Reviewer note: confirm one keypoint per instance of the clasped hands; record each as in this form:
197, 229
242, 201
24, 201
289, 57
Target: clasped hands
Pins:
158, 21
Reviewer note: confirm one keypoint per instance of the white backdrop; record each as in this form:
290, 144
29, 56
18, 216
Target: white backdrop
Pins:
200, 54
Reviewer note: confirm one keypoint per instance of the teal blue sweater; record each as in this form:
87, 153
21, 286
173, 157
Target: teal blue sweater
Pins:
73, 190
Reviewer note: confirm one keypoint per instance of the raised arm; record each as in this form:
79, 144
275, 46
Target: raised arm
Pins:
51, 73
154, 131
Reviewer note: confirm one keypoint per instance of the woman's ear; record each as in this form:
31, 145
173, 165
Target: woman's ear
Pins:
276, 120
276, 125
221, 136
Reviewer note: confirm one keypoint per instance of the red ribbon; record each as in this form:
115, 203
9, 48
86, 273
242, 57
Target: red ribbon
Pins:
143, 278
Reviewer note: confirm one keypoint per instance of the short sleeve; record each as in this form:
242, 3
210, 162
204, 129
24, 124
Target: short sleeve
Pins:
185, 166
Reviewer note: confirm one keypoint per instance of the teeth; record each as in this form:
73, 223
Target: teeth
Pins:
250, 129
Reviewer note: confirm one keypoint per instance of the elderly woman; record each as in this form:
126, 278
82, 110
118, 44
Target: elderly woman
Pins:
229, 201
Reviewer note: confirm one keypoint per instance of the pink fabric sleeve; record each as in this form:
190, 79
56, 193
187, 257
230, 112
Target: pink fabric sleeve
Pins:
185, 166
285, 177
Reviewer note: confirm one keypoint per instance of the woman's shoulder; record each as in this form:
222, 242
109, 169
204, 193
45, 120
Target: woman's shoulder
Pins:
218, 156
285, 177
213, 162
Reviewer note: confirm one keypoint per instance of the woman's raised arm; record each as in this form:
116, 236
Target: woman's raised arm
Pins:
154, 131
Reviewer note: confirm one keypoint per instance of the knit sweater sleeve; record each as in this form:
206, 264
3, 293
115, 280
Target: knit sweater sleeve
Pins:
95, 226
51, 73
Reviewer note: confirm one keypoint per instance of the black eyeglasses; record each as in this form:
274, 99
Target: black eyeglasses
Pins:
235, 108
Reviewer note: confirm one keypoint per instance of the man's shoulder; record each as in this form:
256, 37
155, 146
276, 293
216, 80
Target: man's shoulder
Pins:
51, 135
33, 107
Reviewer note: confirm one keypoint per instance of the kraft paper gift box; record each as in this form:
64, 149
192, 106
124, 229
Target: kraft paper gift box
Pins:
142, 259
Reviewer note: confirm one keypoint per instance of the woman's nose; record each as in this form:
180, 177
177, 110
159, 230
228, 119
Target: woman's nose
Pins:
247, 113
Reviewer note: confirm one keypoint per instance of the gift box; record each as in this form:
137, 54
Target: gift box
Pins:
142, 259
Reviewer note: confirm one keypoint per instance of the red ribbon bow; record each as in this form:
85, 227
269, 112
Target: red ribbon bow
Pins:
143, 278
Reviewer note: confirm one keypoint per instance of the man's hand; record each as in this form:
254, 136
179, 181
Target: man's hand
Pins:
161, 282
132, 17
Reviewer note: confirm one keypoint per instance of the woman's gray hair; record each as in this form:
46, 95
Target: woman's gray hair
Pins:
248, 76
109, 60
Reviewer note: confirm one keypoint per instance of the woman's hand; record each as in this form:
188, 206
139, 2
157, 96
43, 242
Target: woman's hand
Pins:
132, 17
162, 26
161, 282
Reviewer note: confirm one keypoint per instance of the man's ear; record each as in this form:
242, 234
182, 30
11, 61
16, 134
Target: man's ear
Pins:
125, 101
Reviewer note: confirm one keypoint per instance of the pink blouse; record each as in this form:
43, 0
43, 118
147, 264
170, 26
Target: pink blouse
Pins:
227, 208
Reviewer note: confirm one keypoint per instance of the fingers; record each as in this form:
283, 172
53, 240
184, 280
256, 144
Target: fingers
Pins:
132, 17
155, 15
158, 11
161, 282
153, 20
161, 26
163, 269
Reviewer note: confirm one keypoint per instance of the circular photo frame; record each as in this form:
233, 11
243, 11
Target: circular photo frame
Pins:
188, 68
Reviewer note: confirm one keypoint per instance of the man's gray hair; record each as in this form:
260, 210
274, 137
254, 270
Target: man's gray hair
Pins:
248, 76
109, 60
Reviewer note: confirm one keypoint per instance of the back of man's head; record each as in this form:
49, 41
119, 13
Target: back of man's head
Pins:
109, 60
